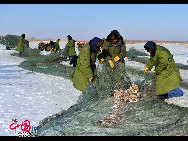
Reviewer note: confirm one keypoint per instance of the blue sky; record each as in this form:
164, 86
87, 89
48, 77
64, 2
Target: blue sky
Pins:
85, 21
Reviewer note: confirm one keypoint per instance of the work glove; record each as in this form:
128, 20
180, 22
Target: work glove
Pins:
116, 59
111, 63
154, 71
90, 79
145, 70
101, 60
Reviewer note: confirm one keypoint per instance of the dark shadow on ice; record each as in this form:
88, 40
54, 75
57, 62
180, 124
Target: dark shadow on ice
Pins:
8, 77
7, 66
10, 71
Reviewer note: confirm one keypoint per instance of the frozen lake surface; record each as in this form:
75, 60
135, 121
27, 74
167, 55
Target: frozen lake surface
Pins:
27, 95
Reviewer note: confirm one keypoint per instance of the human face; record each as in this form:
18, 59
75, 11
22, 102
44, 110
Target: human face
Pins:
115, 41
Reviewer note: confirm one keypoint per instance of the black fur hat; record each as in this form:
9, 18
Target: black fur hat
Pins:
114, 35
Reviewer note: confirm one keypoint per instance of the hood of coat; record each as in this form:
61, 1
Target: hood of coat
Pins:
23, 35
69, 37
93, 44
150, 46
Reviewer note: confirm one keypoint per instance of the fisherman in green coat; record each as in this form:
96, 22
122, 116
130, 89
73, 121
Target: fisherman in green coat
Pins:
114, 52
168, 75
86, 64
113, 49
71, 47
21, 44
57, 48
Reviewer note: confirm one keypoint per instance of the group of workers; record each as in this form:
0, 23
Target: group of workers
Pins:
113, 51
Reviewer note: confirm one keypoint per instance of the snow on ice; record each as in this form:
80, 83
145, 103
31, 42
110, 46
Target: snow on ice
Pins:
27, 95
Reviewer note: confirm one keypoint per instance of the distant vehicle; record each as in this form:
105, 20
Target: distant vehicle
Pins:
46, 46
80, 45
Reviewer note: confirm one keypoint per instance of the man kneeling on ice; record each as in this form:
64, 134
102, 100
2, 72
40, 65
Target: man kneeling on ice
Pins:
168, 75
86, 64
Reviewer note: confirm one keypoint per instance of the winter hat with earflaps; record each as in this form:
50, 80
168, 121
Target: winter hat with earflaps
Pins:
150, 46
94, 42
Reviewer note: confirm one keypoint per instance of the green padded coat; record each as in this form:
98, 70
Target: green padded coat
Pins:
115, 50
71, 46
168, 75
21, 43
85, 68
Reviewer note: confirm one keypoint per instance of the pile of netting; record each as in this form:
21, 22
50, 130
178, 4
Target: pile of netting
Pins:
10, 41
96, 114
137, 55
48, 64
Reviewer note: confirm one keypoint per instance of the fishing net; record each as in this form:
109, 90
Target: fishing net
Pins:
48, 64
10, 41
106, 108
145, 116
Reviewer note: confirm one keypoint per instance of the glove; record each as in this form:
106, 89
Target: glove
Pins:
116, 58
154, 71
111, 63
145, 70
101, 60
91, 78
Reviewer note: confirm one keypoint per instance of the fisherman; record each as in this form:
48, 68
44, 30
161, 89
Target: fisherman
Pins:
113, 49
86, 64
168, 76
114, 52
71, 47
57, 47
21, 44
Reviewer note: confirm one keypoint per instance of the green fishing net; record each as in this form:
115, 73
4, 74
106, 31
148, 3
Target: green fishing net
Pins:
10, 41
147, 117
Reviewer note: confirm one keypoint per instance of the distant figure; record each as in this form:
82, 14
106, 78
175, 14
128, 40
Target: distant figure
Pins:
57, 47
21, 44
86, 64
80, 46
71, 47
168, 75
